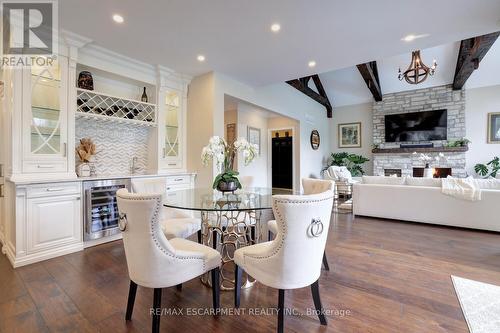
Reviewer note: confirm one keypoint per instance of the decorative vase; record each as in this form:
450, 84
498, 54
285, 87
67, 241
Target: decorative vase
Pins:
428, 171
85, 80
83, 170
224, 187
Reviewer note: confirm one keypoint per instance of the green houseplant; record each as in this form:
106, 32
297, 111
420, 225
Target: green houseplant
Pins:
223, 154
458, 143
489, 169
352, 162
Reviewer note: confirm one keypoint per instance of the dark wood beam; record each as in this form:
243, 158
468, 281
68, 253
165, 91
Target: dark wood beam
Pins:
369, 72
471, 53
320, 96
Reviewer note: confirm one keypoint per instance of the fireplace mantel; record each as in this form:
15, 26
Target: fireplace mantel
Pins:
420, 150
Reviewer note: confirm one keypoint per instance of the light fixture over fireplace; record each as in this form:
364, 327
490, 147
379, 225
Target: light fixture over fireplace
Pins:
417, 72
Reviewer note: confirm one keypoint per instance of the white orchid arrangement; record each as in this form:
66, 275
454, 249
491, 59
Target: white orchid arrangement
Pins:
223, 155
427, 159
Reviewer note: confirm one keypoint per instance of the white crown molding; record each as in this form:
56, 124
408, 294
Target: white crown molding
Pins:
99, 57
72, 39
93, 55
167, 76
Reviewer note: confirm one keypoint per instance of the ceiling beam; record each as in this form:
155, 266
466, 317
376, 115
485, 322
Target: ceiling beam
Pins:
320, 96
471, 53
369, 72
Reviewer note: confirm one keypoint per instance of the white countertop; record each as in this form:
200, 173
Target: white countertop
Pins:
42, 180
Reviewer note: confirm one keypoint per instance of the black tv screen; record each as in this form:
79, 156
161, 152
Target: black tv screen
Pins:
416, 126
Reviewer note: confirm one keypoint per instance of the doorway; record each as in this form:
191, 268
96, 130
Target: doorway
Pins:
282, 170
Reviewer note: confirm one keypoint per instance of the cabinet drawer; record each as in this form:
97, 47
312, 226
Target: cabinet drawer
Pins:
185, 186
53, 189
44, 167
172, 165
176, 180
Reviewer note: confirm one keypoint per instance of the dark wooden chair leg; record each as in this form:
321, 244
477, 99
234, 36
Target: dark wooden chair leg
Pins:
253, 240
179, 287
157, 310
214, 239
269, 236
325, 262
317, 303
215, 288
131, 300
281, 310
237, 285
199, 236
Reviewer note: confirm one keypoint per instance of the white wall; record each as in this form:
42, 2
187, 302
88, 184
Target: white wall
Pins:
352, 114
200, 124
480, 102
285, 100
249, 115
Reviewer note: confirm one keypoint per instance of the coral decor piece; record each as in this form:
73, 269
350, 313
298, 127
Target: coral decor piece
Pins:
85, 150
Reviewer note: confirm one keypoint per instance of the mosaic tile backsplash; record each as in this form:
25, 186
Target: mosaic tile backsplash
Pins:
116, 145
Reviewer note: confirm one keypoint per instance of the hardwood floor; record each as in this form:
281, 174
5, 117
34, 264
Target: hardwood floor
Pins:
389, 276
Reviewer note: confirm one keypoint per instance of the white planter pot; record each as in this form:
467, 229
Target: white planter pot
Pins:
83, 170
428, 173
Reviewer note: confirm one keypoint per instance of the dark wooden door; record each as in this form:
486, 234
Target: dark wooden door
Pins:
282, 171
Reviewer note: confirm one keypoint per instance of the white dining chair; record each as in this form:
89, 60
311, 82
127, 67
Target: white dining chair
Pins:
154, 261
311, 186
293, 259
174, 222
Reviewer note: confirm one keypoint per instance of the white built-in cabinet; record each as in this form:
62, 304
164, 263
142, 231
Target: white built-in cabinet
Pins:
172, 107
171, 129
41, 215
53, 216
45, 118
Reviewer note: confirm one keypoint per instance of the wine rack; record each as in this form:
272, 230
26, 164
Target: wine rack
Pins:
99, 106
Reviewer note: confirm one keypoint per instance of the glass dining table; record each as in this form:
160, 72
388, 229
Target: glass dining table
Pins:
228, 221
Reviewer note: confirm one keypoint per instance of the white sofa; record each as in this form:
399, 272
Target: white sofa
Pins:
423, 202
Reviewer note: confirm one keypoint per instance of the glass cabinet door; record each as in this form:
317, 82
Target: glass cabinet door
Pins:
172, 124
45, 127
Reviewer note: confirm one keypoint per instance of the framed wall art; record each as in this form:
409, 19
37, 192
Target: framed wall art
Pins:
494, 127
315, 140
349, 135
253, 136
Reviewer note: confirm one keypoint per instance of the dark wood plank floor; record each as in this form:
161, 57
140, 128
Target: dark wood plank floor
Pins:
386, 276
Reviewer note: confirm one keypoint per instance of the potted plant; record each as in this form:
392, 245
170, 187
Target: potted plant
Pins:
223, 154
428, 171
489, 169
464, 142
352, 162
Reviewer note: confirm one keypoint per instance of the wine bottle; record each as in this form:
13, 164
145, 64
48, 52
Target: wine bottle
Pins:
144, 97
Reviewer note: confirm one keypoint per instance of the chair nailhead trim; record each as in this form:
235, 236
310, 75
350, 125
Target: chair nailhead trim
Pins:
283, 228
154, 225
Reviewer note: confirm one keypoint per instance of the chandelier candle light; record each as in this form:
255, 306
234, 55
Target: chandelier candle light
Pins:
223, 154
417, 72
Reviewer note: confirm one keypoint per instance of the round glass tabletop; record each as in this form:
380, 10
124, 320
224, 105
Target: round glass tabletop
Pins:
212, 200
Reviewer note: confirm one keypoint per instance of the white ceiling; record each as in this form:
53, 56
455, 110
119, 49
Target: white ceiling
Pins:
234, 35
346, 86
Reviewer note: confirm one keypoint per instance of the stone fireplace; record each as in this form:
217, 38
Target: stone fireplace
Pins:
390, 156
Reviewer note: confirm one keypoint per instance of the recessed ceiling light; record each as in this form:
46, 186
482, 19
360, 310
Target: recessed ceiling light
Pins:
311, 63
275, 27
411, 37
118, 18
200, 58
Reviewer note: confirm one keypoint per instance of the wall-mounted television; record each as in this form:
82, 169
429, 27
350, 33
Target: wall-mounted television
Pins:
416, 126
